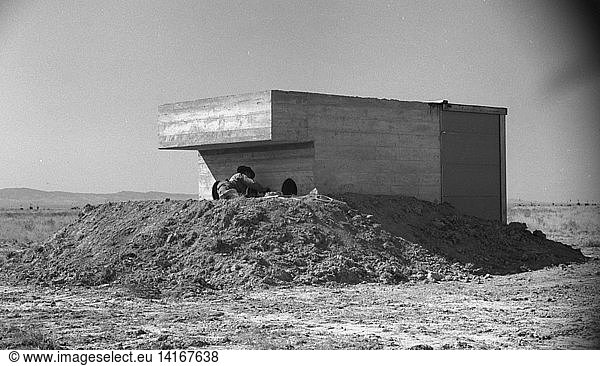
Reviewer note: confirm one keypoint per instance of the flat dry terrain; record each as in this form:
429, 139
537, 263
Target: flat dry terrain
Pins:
553, 308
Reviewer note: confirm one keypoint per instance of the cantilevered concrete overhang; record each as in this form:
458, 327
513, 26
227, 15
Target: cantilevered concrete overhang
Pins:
235, 121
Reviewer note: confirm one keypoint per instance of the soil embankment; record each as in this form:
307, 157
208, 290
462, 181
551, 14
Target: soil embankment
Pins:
154, 247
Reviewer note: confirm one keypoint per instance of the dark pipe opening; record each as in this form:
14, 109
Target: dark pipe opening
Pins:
289, 187
215, 191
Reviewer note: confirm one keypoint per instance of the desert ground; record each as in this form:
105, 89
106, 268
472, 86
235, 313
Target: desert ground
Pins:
550, 308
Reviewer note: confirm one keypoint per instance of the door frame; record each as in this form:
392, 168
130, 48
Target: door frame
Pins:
501, 113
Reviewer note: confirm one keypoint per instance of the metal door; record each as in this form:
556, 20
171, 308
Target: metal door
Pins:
471, 163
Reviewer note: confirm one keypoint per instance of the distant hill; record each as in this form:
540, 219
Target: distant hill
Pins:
511, 202
514, 202
25, 197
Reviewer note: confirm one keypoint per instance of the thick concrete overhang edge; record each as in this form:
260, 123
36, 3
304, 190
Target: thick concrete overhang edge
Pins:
473, 108
264, 144
215, 121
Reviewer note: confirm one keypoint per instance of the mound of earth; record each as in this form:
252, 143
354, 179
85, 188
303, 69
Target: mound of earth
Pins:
188, 246
489, 246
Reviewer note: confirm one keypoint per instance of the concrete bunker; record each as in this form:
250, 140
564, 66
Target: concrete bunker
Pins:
434, 151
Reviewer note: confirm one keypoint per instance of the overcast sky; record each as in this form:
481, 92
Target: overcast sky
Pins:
80, 81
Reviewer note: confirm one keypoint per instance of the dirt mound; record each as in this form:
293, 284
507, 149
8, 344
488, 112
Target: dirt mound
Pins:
187, 246
491, 247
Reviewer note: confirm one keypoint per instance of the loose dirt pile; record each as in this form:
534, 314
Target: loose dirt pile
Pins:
490, 246
187, 246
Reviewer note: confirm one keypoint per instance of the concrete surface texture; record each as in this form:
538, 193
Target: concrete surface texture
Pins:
331, 142
215, 121
272, 164
365, 145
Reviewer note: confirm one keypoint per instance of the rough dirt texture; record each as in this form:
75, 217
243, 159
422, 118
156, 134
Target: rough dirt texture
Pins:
488, 245
179, 247
554, 308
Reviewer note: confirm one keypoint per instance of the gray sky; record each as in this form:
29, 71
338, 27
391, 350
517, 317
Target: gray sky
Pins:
80, 82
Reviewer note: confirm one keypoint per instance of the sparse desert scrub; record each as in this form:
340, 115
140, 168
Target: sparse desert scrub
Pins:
23, 337
574, 225
25, 226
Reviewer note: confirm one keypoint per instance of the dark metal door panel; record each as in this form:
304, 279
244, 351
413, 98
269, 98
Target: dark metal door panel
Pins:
471, 180
471, 149
471, 157
466, 122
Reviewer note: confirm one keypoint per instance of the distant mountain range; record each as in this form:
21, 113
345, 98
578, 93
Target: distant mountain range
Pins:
26, 197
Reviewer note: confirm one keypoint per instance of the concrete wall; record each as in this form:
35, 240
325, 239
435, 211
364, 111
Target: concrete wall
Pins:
215, 122
365, 145
331, 142
334, 143
271, 163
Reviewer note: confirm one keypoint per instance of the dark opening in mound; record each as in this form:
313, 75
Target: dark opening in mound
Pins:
191, 245
289, 187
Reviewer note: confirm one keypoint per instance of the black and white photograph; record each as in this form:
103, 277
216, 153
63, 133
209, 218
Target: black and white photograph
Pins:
197, 178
